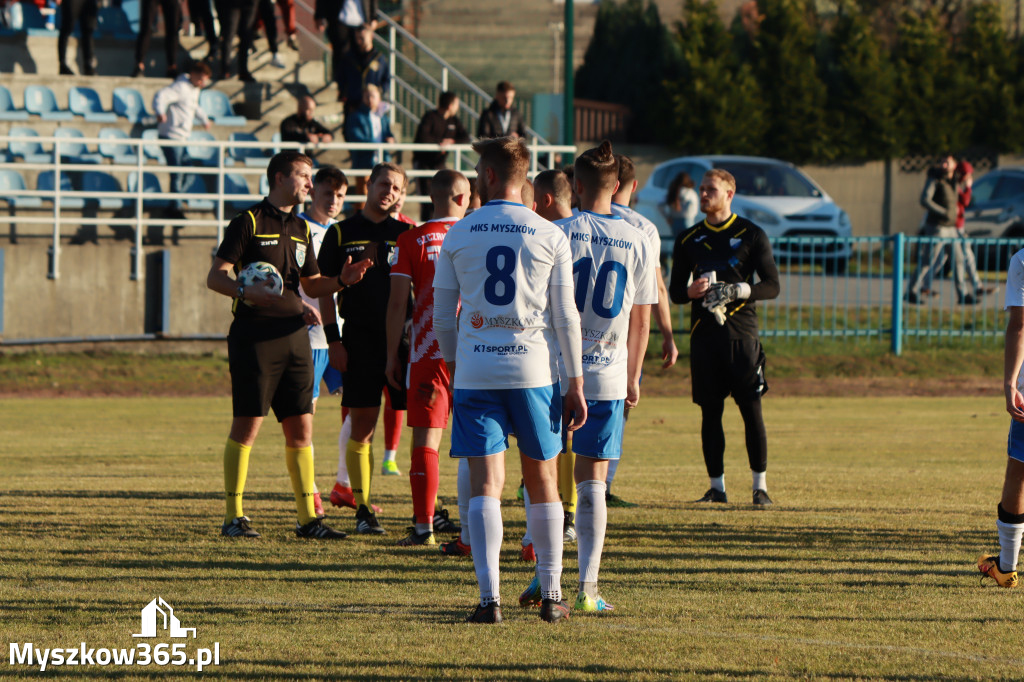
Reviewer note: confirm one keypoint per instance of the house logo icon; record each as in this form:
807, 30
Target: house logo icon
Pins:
158, 611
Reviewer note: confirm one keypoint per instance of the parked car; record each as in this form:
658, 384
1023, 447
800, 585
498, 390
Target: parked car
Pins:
774, 194
997, 210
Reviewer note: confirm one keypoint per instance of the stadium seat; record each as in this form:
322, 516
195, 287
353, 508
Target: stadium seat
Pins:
250, 156
264, 185
72, 150
30, 150
25, 17
41, 101
13, 180
152, 151
85, 102
128, 103
118, 152
45, 184
195, 184
235, 183
218, 107
150, 185
203, 155
7, 110
132, 10
112, 22
97, 183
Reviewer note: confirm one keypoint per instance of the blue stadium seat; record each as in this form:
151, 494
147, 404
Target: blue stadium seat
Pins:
118, 152
218, 107
73, 151
235, 183
132, 12
128, 103
250, 156
195, 184
264, 185
45, 184
85, 102
7, 110
13, 180
41, 101
150, 184
113, 22
98, 182
30, 150
152, 151
205, 156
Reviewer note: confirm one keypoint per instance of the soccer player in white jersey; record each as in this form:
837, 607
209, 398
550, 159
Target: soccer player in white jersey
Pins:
615, 288
513, 271
662, 311
1002, 567
326, 201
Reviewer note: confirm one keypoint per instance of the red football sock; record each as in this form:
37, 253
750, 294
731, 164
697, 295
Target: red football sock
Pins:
423, 479
392, 427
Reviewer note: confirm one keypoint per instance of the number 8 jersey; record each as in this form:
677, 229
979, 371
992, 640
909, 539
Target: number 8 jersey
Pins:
503, 260
614, 269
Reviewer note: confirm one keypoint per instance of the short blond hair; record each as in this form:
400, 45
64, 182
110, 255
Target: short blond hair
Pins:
724, 176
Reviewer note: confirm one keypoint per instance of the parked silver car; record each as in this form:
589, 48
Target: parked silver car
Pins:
997, 210
774, 194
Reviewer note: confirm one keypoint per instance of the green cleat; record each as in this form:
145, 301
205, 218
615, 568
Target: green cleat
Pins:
585, 602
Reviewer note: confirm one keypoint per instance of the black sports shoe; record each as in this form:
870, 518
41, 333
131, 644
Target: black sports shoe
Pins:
969, 300
554, 611
443, 525
485, 614
239, 528
318, 529
366, 522
612, 500
761, 498
455, 548
415, 538
713, 495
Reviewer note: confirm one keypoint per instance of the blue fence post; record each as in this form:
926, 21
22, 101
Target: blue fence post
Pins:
899, 243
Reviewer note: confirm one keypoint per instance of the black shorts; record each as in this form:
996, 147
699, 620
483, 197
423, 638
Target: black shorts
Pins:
721, 366
274, 373
364, 381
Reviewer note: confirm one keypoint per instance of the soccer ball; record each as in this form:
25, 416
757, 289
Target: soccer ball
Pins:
260, 271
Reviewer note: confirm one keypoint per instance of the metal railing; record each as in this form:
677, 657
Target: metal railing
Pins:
142, 202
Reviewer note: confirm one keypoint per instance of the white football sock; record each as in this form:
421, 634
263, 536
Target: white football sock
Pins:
343, 438
389, 455
526, 503
465, 492
1009, 544
545, 522
486, 532
613, 466
591, 523
759, 480
718, 483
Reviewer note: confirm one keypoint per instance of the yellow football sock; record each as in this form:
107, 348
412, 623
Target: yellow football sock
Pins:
359, 458
566, 484
236, 467
300, 468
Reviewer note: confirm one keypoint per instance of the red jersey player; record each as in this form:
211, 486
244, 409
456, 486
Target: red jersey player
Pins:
429, 384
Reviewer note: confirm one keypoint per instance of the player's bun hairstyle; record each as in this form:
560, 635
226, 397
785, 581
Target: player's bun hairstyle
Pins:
445, 99
627, 171
332, 176
555, 183
285, 162
386, 167
724, 176
448, 183
508, 157
597, 169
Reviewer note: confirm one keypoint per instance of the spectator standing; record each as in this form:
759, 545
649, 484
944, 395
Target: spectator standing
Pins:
172, 19
368, 124
303, 127
681, 204
438, 126
963, 179
200, 13
363, 65
339, 20
236, 18
84, 13
265, 10
501, 118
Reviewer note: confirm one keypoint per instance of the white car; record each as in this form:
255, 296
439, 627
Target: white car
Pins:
773, 194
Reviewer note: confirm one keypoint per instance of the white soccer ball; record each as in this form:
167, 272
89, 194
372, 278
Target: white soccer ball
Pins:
260, 271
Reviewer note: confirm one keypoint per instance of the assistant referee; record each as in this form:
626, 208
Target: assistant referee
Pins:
713, 266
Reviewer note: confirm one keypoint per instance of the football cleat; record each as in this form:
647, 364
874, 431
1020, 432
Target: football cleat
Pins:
569, 528
366, 522
714, 495
554, 611
531, 596
988, 564
344, 497
239, 528
486, 614
415, 538
389, 468
761, 498
526, 553
442, 524
611, 500
584, 602
455, 548
318, 529
318, 505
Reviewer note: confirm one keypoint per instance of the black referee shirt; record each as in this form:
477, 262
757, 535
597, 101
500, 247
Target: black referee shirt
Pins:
734, 251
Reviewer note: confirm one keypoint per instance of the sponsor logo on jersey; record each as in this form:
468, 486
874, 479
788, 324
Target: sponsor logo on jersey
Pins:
502, 321
602, 360
477, 320
600, 240
432, 251
269, 242
600, 335
511, 349
698, 240
300, 254
505, 228
735, 243
394, 257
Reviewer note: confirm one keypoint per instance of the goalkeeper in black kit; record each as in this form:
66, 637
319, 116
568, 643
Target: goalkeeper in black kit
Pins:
713, 266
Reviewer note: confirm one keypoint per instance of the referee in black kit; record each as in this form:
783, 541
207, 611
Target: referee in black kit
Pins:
268, 346
713, 264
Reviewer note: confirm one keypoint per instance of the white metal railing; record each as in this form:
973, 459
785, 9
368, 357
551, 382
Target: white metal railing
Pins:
59, 215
